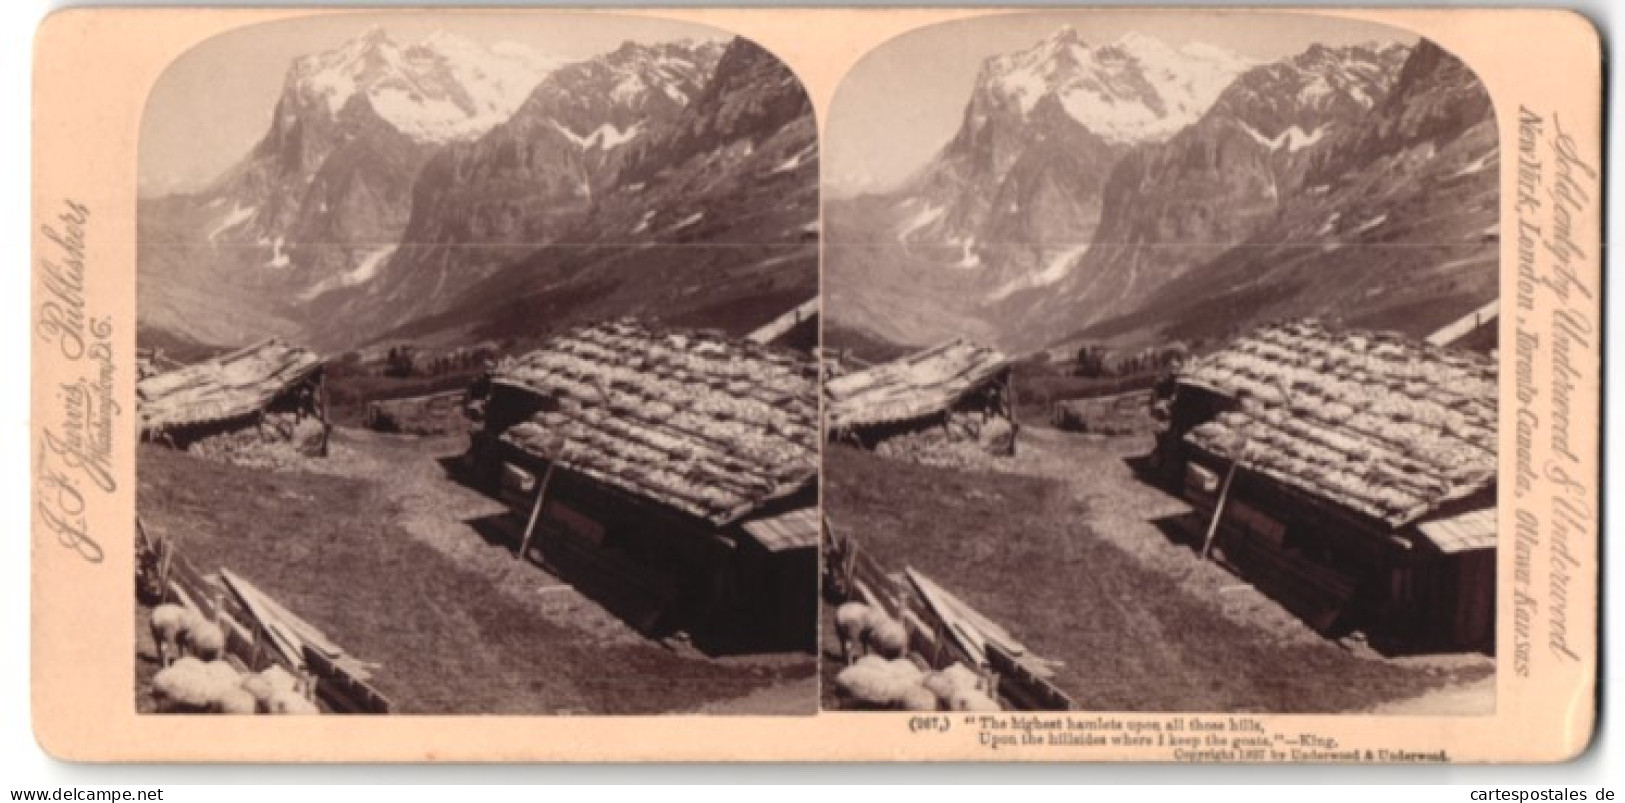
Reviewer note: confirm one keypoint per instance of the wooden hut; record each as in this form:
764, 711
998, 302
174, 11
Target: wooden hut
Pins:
268, 385
670, 473
957, 387
1350, 474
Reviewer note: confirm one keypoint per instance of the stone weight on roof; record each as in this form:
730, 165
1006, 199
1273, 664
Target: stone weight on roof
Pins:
708, 425
1386, 426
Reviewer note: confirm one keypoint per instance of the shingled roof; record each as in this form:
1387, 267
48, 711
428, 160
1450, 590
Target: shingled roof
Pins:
226, 387
711, 426
920, 384
1383, 425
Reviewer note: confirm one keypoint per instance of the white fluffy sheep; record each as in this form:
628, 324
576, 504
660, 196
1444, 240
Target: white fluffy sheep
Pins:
888, 636
205, 640
288, 701
259, 687
235, 700
169, 623
939, 684
876, 682
918, 698
973, 701
223, 676
957, 682
184, 685
852, 621
266, 683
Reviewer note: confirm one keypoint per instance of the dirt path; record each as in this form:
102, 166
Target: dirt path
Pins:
438, 511
1123, 509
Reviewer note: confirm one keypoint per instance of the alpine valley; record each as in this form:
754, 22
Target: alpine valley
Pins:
1135, 193
449, 192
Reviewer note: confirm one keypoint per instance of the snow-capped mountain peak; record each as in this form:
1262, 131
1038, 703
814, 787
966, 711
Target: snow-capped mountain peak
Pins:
1135, 89
443, 88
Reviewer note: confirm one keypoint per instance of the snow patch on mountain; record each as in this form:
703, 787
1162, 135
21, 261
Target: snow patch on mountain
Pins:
279, 256
236, 217
365, 269
1370, 224
1138, 88
1293, 139
606, 136
368, 266
1054, 271
1480, 164
629, 89
919, 220
968, 258
444, 88
800, 158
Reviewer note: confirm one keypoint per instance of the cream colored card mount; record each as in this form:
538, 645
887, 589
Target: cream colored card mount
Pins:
816, 384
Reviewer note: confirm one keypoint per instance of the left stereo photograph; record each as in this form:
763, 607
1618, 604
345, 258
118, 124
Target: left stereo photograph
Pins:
477, 371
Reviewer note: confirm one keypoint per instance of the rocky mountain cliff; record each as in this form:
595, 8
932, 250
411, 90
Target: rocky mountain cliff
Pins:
1328, 157
675, 180
709, 219
1394, 225
1172, 206
1017, 193
326, 189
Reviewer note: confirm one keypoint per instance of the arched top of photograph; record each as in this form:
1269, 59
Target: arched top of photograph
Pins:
1047, 180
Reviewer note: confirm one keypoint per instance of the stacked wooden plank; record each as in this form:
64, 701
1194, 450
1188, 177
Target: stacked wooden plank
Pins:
1024, 678
711, 426
1386, 426
226, 387
919, 385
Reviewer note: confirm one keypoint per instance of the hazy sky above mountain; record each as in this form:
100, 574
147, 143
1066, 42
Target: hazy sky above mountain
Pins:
903, 102
215, 102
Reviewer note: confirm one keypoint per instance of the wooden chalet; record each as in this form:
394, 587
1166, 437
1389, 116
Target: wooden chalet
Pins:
671, 474
1350, 474
230, 392
957, 386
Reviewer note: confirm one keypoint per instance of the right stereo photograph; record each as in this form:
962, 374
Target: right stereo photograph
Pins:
1160, 373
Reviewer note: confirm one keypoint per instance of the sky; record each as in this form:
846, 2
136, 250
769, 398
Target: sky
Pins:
215, 101
904, 100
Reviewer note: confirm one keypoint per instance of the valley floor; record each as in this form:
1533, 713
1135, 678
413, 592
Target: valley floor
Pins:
1078, 558
379, 547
